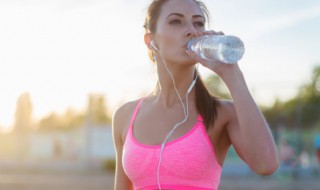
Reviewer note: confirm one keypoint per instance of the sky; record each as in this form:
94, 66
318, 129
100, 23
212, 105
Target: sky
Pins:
60, 51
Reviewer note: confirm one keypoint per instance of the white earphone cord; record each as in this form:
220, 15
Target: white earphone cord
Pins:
185, 111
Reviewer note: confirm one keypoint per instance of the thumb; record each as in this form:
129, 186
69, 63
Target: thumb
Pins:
194, 56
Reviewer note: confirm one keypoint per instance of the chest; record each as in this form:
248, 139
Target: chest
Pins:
152, 129
180, 158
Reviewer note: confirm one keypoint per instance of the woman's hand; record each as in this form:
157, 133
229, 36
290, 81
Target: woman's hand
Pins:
216, 66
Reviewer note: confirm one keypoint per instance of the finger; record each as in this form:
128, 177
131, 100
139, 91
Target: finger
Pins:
216, 32
220, 33
203, 33
191, 54
210, 32
194, 56
198, 34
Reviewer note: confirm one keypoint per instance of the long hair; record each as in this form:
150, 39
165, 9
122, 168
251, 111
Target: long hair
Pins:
206, 104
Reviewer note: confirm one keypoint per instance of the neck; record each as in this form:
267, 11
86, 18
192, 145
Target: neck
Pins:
166, 93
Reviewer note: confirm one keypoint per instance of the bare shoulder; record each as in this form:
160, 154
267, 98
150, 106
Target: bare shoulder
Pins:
124, 111
121, 119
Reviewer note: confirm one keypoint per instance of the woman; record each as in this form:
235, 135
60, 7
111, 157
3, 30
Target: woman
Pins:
193, 155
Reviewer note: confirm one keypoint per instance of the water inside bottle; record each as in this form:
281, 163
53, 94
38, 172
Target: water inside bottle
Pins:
210, 48
227, 49
231, 51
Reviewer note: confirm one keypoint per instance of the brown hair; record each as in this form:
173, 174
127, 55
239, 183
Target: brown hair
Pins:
206, 104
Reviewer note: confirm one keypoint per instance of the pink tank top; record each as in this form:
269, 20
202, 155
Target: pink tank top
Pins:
188, 162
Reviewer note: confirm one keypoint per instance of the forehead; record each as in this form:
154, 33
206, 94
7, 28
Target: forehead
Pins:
186, 7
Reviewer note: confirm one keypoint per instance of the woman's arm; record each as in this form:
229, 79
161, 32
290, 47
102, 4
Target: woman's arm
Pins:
248, 130
121, 182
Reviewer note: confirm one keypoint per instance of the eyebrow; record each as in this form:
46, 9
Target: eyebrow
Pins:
181, 15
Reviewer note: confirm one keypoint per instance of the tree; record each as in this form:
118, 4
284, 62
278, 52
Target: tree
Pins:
50, 122
23, 114
97, 110
217, 87
312, 89
22, 126
69, 120
302, 110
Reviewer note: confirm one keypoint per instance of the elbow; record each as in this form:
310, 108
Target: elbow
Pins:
269, 164
269, 168
268, 171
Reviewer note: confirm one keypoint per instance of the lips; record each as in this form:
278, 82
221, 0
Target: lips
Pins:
186, 45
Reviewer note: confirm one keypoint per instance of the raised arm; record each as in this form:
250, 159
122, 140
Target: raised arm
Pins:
248, 130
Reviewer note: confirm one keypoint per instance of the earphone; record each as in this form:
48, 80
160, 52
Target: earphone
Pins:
193, 82
152, 44
185, 110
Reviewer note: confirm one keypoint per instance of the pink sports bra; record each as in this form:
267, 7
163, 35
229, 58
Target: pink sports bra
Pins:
188, 162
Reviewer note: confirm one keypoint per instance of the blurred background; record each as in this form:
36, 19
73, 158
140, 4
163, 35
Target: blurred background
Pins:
67, 65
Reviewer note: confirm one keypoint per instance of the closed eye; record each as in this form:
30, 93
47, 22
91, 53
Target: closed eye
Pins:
201, 24
176, 21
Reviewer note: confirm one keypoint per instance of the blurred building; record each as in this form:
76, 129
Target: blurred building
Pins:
82, 143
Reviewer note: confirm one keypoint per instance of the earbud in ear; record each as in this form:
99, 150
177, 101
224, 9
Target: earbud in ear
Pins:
152, 44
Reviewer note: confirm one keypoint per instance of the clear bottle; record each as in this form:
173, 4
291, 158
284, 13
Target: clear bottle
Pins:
224, 48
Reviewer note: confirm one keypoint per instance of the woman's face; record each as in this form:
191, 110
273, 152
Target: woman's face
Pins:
177, 22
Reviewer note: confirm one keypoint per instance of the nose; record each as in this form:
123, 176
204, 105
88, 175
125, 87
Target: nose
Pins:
190, 34
190, 31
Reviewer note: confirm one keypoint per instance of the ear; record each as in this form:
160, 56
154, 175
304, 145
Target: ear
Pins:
147, 40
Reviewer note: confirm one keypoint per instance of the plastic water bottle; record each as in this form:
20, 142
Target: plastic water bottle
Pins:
223, 48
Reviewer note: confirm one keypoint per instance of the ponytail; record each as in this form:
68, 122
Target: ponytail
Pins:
206, 104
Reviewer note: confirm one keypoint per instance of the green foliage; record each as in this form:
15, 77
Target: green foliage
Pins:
97, 110
69, 120
216, 87
109, 164
96, 113
23, 114
303, 110
312, 89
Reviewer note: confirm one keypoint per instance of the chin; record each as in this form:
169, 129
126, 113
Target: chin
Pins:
186, 62
189, 61
183, 59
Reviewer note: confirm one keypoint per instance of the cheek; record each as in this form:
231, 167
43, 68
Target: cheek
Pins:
169, 40
170, 45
